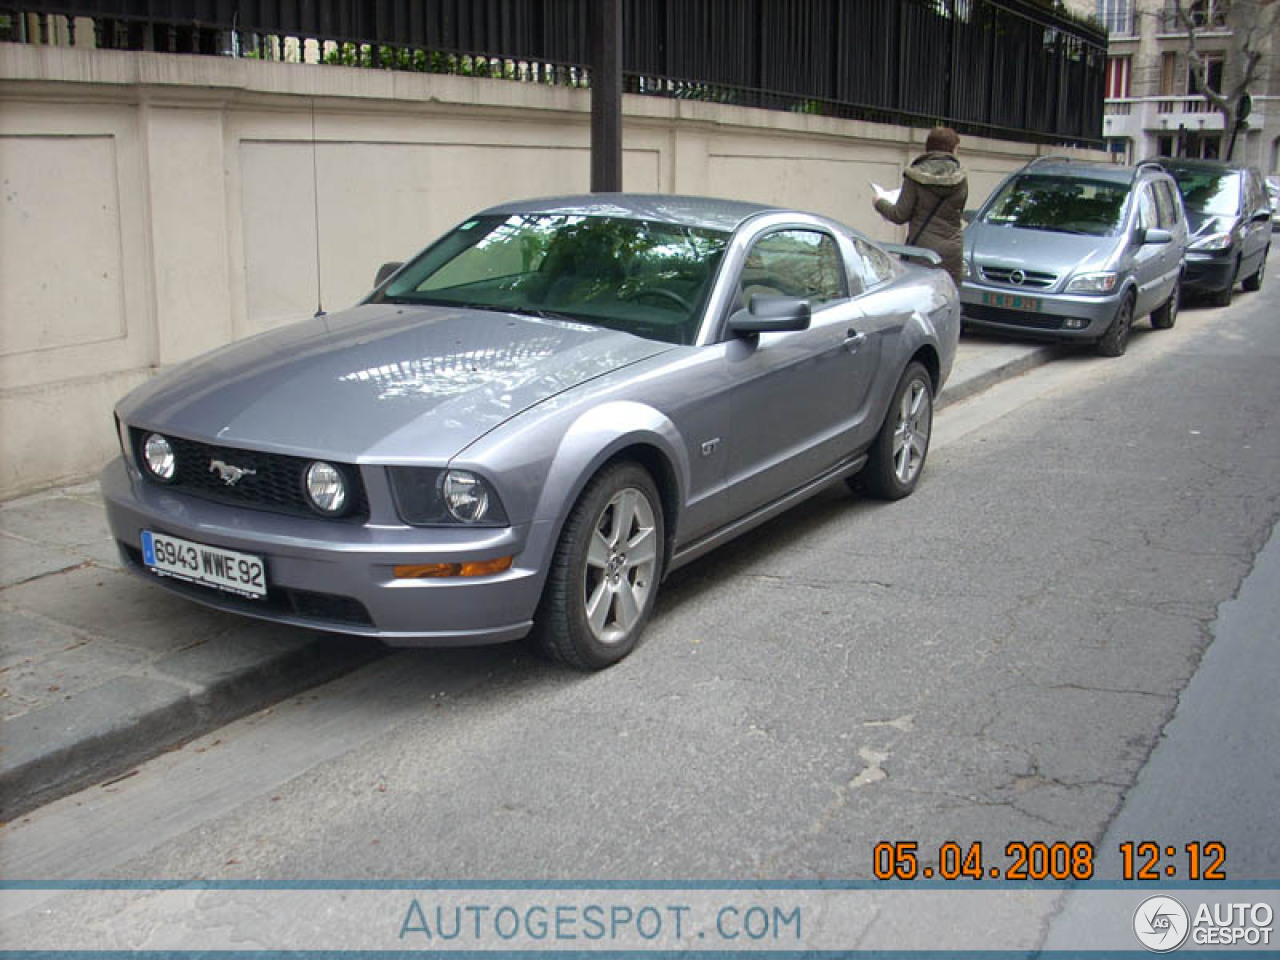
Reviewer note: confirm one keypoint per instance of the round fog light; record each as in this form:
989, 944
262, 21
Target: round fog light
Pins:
326, 488
158, 456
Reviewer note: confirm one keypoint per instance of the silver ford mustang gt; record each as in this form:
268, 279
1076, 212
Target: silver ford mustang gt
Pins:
522, 430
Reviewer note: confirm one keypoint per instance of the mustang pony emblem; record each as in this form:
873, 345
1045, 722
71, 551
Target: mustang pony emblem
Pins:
230, 475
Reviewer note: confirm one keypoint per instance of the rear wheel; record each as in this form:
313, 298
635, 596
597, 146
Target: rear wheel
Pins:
1114, 342
1165, 316
603, 580
897, 456
1254, 282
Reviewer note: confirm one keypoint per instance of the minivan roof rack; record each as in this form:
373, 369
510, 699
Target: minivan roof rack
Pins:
1050, 158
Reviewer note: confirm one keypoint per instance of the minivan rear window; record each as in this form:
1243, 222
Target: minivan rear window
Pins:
1060, 204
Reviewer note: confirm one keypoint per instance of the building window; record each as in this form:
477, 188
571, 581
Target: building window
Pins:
1121, 149
1164, 147
1168, 74
1117, 77
1213, 73
1116, 16
1203, 14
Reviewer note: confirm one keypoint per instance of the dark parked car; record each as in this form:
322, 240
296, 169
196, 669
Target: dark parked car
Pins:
1230, 219
1072, 250
531, 423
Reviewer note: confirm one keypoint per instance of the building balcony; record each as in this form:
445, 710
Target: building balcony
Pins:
1135, 116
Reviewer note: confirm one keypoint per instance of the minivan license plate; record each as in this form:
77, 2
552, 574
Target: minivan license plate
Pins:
1010, 301
239, 573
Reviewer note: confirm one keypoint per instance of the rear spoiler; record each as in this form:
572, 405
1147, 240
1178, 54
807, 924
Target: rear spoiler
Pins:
922, 256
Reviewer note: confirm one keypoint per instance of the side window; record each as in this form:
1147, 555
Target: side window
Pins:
877, 266
1165, 205
1257, 196
1147, 214
794, 263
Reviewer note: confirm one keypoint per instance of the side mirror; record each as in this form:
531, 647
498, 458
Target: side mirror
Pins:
771, 315
386, 270
1262, 216
1154, 235
969, 215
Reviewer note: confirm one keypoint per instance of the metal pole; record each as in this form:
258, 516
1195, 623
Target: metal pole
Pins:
606, 95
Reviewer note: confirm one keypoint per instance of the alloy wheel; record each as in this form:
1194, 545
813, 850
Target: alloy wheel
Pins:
911, 432
622, 557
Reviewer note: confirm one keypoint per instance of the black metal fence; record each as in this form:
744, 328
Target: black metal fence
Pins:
1006, 68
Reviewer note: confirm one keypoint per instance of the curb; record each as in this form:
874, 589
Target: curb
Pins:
102, 733
989, 375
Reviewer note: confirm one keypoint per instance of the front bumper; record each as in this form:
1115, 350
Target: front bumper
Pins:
1209, 271
339, 577
1095, 313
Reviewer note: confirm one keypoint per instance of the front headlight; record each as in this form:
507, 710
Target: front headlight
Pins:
427, 497
326, 488
965, 270
1092, 283
157, 456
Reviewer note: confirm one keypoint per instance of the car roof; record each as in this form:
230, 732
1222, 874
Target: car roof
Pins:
1066, 167
707, 212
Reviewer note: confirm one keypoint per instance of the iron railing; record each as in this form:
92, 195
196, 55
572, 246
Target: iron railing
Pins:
1006, 68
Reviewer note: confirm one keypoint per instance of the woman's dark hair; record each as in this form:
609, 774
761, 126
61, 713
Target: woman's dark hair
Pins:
942, 140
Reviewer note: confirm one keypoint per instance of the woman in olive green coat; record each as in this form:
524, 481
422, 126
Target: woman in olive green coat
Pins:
932, 199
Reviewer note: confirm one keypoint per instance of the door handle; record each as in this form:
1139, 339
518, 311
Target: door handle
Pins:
853, 339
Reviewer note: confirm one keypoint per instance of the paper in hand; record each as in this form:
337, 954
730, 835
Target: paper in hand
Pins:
882, 194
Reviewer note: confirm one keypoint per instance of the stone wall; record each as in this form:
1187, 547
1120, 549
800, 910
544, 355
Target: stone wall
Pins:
155, 206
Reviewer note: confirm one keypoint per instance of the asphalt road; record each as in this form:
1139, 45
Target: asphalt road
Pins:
993, 659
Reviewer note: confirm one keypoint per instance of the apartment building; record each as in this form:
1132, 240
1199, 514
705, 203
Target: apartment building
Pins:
1153, 105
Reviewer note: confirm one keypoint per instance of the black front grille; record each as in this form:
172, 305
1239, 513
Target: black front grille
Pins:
328, 608
1016, 318
270, 481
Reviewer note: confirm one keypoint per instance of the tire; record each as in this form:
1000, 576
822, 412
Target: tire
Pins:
1114, 342
1222, 298
898, 453
1254, 283
1165, 316
604, 575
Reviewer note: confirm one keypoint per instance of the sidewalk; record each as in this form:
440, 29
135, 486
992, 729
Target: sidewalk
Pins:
99, 670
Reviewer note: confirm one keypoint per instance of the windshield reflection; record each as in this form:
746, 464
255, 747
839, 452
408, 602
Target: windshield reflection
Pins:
642, 277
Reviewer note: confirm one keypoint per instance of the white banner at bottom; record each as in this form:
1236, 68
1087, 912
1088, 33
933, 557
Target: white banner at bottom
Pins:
401, 918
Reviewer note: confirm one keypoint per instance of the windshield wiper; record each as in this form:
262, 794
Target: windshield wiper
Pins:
539, 312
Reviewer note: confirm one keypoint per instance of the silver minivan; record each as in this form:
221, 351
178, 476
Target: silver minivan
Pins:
1072, 250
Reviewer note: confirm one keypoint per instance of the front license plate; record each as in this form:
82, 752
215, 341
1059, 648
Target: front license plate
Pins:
239, 573
1010, 301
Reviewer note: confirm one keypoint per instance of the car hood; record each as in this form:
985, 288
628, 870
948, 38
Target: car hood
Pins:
1201, 224
379, 383
1038, 249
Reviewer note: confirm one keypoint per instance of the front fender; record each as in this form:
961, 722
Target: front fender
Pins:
597, 436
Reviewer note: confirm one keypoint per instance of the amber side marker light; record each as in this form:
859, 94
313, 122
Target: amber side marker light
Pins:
480, 568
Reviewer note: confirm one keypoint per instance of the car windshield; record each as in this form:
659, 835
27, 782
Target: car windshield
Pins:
1061, 204
646, 278
1212, 192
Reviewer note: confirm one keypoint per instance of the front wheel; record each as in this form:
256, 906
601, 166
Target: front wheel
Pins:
604, 575
898, 453
1165, 316
1253, 282
1222, 298
1115, 341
